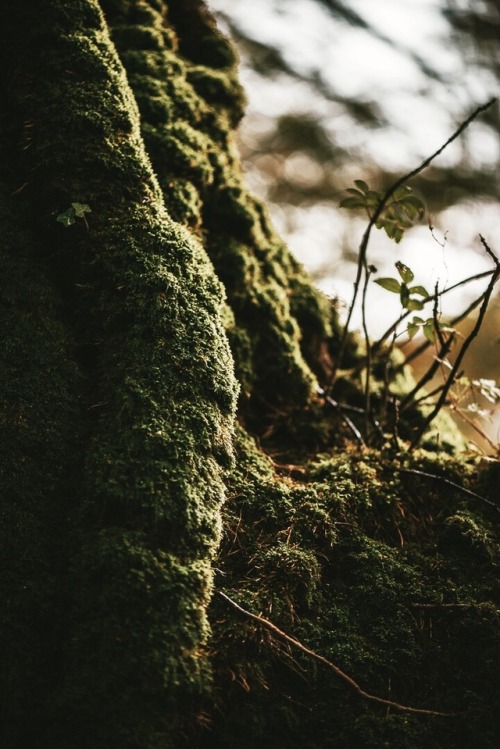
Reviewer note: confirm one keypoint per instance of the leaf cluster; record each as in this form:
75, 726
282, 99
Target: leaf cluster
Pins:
76, 210
398, 214
409, 296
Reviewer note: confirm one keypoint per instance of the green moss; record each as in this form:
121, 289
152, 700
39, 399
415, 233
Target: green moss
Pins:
145, 308
119, 395
360, 563
187, 107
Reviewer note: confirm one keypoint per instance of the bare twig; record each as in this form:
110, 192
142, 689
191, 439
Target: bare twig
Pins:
442, 480
368, 271
341, 674
456, 366
343, 415
428, 374
363, 247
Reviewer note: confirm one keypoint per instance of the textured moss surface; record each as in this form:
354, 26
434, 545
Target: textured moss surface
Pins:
391, 576
118, 402
158, 395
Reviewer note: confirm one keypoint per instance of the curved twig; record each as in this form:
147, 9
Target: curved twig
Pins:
341, 674
443, 480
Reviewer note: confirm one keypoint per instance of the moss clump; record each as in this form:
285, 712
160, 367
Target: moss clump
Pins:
356, 560
158, 396
189, 103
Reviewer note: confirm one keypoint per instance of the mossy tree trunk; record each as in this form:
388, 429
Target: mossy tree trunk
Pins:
147, 307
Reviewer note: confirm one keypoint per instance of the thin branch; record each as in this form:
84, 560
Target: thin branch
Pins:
363, 247
446, 605
392, 328
453, 372
344, 416
428, 374
341, 674
368, 271
442, 480
425, 345
435, 316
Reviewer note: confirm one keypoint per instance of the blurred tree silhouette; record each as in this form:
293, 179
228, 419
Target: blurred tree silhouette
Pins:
320, 159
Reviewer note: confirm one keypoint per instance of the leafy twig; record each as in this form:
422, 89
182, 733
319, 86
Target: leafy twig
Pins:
376, 346
363, 247
425, 345
455, 368
341, 674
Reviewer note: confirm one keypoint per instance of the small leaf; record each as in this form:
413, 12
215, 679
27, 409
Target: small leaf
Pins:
373, 197
353, 191
391, 284
412, 330
81, 209
420, 291
361, 184
352, 203
402, 192
67, 218
405, 296
414, 305
429, 331
405, 272
417, 320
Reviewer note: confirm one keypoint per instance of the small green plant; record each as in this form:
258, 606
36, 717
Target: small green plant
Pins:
398, 213
394, 211
76, 210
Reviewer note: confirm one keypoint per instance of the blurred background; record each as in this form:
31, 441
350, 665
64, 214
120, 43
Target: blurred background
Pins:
340, 90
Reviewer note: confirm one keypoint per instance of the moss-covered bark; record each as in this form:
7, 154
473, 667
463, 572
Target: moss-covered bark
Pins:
128, 337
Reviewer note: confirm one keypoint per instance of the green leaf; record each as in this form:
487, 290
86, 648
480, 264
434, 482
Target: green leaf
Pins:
414, 305
67, 218
352, 203
420, 291
361, 184
391, 284
402, 192
405, 296
353, 191
412, 330
81, 209
417, 320
373, 197
405, 272
429, 332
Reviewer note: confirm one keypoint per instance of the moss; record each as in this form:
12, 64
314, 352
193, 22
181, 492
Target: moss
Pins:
346, 559
120, 400
200, 100
145, 307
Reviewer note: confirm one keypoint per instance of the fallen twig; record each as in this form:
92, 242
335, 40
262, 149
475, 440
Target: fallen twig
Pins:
341, 674
442, 480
